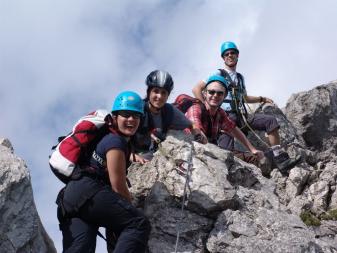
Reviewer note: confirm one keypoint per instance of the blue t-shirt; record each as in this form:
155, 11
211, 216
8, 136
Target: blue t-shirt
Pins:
108, 142
143, 141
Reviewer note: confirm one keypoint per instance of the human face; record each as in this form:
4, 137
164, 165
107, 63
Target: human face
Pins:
231, 58
158, 97
128, 122
214, 94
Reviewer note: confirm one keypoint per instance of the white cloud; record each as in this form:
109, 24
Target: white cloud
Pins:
61, 59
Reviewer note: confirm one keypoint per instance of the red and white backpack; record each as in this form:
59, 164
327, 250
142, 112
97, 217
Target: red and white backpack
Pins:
72, 148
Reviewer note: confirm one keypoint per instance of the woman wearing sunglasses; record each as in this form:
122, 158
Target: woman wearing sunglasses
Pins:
217, 121
100, 197
159, 116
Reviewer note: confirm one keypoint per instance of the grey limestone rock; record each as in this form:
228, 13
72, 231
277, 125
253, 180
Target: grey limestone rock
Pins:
229, 207
208, 198
265, 230
232, 206
20, 227
314, 115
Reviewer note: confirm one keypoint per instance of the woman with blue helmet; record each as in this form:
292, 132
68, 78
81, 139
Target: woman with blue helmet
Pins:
100, 197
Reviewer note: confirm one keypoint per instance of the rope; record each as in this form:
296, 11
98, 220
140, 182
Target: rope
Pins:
111, 244
187, 179
255, 134
245, 119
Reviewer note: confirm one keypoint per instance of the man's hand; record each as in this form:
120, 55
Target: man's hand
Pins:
260, 99
258, 153
199, 136
268, 100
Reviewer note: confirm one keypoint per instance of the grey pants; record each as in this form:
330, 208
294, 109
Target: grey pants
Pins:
259, 121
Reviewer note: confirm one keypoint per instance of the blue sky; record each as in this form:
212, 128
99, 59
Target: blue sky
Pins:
62, 59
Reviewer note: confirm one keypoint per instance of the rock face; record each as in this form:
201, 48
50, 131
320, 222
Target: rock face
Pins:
314, 115
202, 199
231, 206
20, 227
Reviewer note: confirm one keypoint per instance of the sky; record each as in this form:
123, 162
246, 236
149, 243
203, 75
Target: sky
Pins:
62, 59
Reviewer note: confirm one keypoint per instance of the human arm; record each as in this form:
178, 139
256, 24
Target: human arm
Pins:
199, 136
197, 90
237, 133
255, 99
117, 172
194, 114
180, 121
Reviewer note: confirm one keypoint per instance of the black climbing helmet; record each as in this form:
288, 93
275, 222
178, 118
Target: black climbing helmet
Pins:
161, 79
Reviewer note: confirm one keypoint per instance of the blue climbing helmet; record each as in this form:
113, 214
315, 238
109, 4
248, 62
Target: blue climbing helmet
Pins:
228, 45
128, 101
217, 78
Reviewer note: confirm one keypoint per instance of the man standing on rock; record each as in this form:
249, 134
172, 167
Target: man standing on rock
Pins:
234, 105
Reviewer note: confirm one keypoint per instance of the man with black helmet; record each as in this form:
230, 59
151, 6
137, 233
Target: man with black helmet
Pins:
159, 116
234, 105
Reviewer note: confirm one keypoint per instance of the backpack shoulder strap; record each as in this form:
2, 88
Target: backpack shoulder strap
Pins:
241, 81
226, 75
223, 72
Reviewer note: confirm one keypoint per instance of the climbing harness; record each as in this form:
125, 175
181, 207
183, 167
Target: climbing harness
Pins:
187, 173
238, 106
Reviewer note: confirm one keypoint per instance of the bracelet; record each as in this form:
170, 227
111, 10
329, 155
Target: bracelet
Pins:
262, 99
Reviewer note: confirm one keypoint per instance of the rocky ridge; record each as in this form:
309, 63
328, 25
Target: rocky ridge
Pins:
229, 205
232, 206
20, 227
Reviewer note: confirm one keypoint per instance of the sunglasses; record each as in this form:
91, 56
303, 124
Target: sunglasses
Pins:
128, 114
230, 53
218, 92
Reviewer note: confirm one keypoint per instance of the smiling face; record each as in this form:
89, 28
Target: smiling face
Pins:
231, 58
157, 98
214, 94
128, 122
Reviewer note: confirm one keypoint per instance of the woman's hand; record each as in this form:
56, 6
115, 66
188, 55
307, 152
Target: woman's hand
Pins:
139, 159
